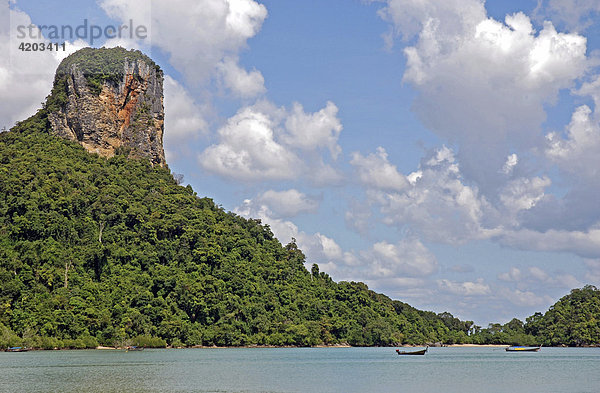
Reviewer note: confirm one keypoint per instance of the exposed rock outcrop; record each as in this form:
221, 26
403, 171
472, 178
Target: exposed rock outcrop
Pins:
110, 100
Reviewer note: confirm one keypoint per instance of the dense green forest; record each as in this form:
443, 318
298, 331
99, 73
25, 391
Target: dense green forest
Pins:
113, 251
574, 320
104, 251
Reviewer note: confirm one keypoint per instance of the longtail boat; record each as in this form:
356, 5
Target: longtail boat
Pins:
420, 352
519, 348
17, 349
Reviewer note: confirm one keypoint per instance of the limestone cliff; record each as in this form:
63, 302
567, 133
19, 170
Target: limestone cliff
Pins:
109, 100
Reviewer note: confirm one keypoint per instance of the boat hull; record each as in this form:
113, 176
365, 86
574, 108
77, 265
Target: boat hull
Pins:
421, 352
17, 349
523, 349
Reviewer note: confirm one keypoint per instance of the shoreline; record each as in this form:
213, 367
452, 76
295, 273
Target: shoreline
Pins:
107, 348
478, 345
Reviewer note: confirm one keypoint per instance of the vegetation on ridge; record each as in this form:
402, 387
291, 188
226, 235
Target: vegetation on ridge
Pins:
574, 320
99, 65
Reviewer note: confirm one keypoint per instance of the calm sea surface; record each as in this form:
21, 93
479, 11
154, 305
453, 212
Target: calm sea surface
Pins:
302, 370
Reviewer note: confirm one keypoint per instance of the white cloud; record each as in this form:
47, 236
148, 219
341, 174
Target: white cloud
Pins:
436, 203
249, 151
466, 288
183, 117
578, 153
185, 121
574, 153
524, 298
321, 174
483, 83
253, 145
538, 274
567, 281
514, 274
582, 243
197, 35
409, 257
376, 171
576, 14
399, 283
241, 82
288, 203
557, 279
591, 89
523, 193
25, 77
331, 249
410, 17
511, 161
309, 131
535, 275
389, 267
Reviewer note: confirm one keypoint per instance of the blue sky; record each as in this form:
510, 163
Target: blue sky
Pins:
445, 153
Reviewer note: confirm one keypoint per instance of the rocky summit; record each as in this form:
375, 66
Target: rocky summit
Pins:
109, 100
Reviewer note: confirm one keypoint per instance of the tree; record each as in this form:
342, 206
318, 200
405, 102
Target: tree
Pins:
314, 270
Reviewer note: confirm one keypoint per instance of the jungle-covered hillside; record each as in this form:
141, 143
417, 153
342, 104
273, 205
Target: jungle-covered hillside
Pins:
104, 251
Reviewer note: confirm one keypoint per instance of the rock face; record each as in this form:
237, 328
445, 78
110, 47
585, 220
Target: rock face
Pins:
111, 100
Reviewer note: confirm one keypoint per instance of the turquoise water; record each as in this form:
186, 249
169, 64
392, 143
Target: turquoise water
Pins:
302, 370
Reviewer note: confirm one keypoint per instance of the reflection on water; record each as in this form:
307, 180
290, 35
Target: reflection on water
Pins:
302, 370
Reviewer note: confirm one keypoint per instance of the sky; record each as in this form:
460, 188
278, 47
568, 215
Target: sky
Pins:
446, 153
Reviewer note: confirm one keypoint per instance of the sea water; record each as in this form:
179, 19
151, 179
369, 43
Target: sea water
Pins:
302, 370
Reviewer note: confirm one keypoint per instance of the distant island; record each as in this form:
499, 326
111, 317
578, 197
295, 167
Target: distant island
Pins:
100, 245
